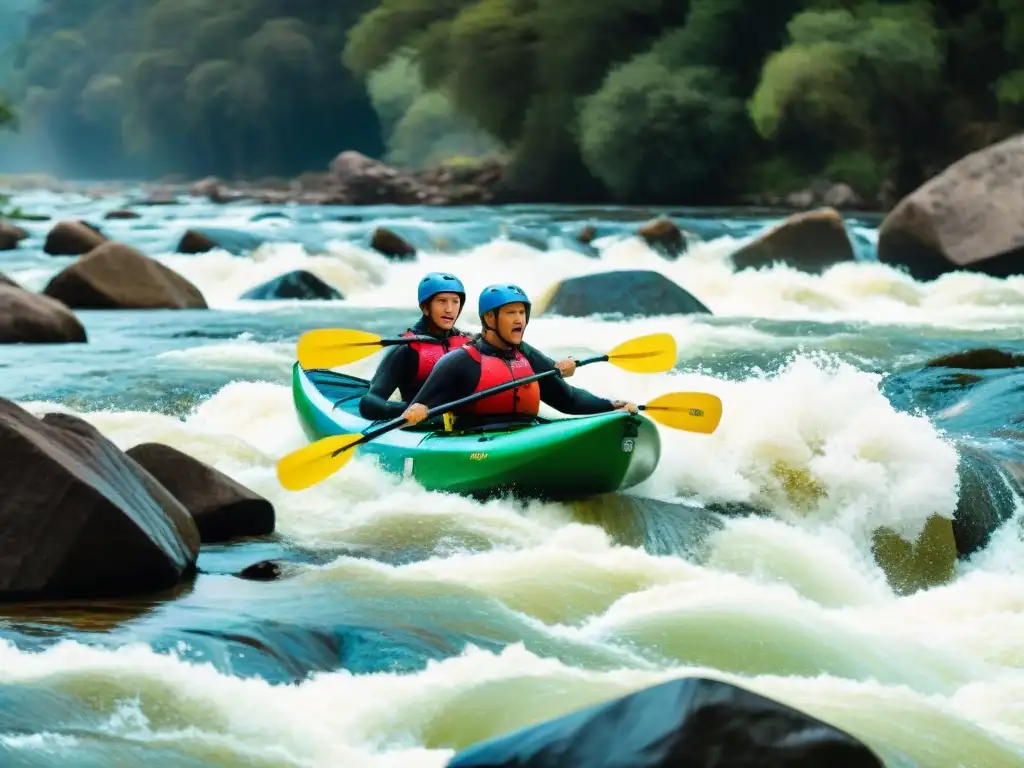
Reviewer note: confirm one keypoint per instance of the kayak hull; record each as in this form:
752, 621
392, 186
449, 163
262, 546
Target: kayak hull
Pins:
565, 458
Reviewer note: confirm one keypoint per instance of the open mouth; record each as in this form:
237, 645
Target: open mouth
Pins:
517, 330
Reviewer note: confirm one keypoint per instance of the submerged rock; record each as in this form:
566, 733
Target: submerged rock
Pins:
72, 238
80, 518
393, 246
968, 217
116, 276
299, 284
233, 241
31, 318
691, 722
990, 485
122, 214
264, 570
985, 358
631, 292
223, 509
811, 241
664, 236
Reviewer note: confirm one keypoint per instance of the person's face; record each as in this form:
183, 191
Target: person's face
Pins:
443, 310
511, 322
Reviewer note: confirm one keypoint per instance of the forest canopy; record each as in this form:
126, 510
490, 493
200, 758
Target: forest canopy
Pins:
643, 101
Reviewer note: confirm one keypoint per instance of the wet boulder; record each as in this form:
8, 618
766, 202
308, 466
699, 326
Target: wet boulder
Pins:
299, 284
665, 236
692, 722
394, 246
31, 318
264, 570
629, 292
982, 358
72, 238
10, 236
990, 483
116, 276
222, 508
811, 241
234, 241
80, 518
966, 218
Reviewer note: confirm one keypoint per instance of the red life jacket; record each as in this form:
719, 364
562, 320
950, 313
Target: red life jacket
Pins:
427, 354
494, 371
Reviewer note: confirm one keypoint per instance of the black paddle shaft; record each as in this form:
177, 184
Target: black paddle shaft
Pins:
445, 407
405, 340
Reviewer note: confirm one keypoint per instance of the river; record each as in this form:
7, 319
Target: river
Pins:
416, 623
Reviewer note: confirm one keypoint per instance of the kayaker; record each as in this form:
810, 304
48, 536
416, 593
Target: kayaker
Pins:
497, 356
405, 367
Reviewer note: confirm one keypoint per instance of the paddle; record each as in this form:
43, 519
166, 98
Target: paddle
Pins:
656, 353
330, 347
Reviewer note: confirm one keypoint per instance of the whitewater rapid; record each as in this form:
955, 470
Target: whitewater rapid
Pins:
794, 607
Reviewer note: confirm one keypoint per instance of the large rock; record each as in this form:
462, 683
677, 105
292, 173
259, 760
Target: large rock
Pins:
222, 508
811, 241
299, 284
32, 318
969, 217
116, 276
233, 241
691, 723
80, 518
365, 181
10, 236
631, 292
72, 238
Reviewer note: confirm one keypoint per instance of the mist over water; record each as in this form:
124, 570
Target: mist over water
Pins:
411, 619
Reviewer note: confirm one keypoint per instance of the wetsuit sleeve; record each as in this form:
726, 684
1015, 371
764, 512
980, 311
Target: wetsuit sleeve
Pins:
455, 376
398, 365
556, 392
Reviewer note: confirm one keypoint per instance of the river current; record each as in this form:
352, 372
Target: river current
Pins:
416, 623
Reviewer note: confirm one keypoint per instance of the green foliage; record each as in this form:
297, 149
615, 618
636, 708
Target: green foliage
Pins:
653, 133
631, 100
8, 117
868, 79
422, 127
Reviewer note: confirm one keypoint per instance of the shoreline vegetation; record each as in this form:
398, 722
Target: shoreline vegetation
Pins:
790, 103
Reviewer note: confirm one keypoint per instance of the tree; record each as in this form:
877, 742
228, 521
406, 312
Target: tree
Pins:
8, 117
656, 134
869, 78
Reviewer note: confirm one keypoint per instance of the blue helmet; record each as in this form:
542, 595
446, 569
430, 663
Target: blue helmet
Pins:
495, 296
440, 282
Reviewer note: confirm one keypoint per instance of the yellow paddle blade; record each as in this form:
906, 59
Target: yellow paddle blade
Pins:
690, 411
308, 466
329, 347
655, 353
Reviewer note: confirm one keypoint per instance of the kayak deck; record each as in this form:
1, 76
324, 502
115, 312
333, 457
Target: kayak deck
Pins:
564, 458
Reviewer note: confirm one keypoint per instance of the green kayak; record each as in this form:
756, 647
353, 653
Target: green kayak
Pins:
565, 458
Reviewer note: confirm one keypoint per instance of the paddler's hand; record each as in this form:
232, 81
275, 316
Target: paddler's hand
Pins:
415, 413
566, 367
623, 405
